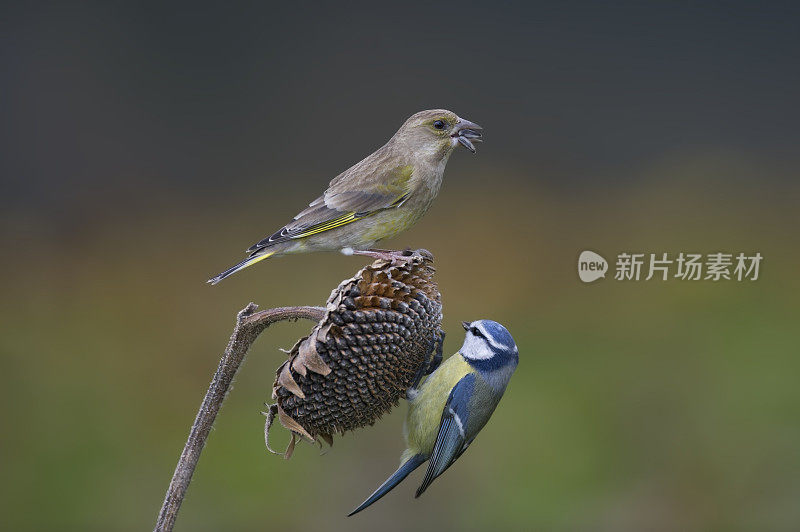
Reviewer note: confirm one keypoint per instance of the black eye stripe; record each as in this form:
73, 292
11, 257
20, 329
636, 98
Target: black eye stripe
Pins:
477, 332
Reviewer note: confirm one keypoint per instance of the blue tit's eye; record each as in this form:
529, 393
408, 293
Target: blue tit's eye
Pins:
477, 332
438, 124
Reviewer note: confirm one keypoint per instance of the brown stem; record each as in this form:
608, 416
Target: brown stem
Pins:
249, 324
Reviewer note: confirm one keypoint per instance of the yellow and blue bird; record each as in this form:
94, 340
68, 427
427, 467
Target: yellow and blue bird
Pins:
453, 404
377, 198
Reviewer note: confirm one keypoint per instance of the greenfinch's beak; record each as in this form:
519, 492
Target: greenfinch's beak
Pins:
466, 132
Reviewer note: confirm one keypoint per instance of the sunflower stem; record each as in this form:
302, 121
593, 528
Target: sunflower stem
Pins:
249, 324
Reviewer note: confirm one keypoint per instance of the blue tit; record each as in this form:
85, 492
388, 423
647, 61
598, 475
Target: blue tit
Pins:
454, 403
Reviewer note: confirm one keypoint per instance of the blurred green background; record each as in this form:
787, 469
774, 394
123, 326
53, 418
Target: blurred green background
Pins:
145, 146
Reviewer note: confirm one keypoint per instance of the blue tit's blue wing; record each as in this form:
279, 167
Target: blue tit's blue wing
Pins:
452, 440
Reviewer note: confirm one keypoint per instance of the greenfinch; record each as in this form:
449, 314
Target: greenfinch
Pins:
377, 198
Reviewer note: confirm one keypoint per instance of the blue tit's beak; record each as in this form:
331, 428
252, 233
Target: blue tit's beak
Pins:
466, 132
466, 325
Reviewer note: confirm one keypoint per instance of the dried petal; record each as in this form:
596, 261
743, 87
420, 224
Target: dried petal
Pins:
307, 357
285, 379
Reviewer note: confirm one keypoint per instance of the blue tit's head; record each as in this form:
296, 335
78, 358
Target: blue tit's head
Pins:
489, 344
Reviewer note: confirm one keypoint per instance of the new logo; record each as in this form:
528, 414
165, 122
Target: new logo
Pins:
591, 266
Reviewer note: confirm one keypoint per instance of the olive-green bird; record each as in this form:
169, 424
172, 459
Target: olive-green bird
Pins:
379, 197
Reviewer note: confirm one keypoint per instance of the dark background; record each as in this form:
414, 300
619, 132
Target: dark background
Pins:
144, 146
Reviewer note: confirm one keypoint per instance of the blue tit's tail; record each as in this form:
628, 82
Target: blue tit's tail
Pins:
249, 261
402, 472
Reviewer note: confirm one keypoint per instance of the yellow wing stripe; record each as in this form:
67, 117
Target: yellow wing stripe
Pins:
327, 226
344, 220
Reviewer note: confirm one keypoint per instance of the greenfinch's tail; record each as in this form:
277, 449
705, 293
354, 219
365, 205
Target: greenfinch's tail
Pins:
249, 261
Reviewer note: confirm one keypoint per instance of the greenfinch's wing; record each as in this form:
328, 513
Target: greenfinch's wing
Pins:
342, 205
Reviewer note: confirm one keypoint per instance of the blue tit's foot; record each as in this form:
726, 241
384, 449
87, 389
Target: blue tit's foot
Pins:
436, 361
384, 254
437, 344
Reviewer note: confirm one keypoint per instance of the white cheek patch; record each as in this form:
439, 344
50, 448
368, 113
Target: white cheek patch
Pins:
476, 348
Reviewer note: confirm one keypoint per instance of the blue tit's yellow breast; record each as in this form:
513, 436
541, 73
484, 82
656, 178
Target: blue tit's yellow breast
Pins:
425, 410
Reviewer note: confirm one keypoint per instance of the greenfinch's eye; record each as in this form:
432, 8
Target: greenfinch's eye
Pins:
438, 124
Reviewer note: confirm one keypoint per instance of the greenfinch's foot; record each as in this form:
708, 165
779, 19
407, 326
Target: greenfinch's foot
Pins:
385, 254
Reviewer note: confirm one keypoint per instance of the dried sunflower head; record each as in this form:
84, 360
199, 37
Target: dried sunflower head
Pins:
378, 334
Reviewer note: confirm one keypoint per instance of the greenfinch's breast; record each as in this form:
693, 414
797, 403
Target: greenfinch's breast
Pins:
390, 223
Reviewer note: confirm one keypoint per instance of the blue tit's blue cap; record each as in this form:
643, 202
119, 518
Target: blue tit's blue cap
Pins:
497, 335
